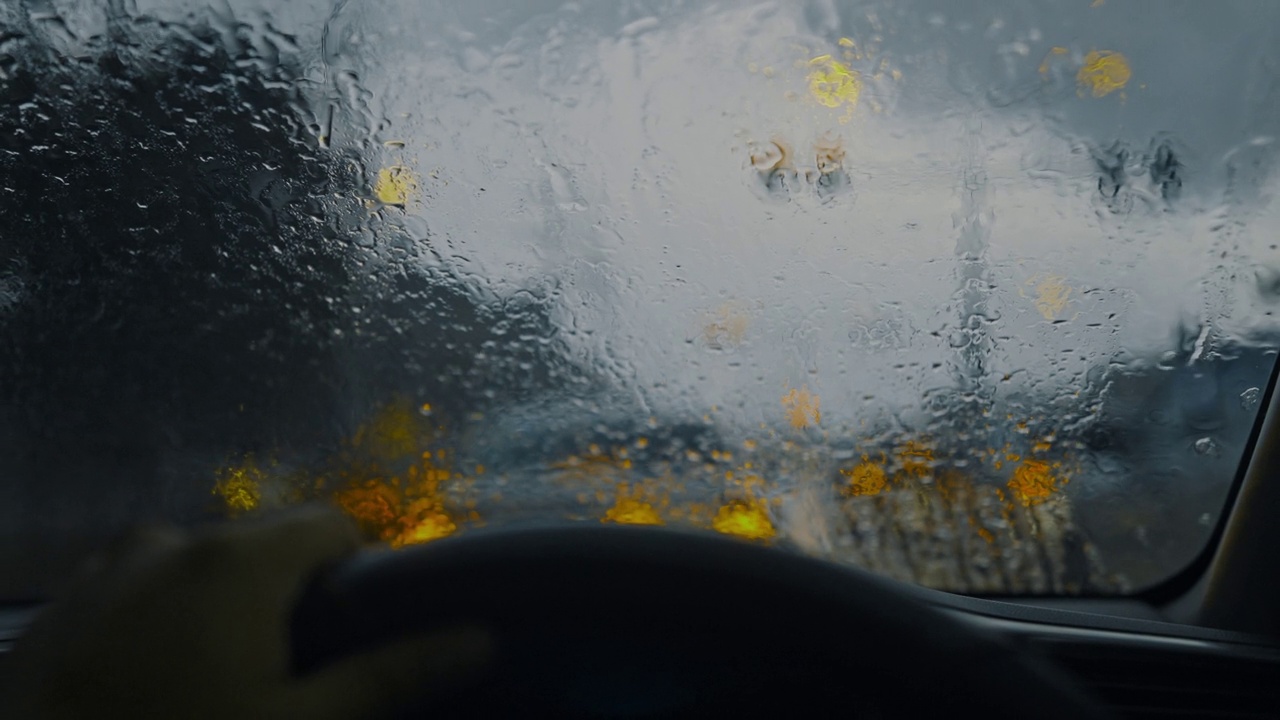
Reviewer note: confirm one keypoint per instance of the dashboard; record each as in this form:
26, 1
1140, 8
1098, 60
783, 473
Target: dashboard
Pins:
1140, 666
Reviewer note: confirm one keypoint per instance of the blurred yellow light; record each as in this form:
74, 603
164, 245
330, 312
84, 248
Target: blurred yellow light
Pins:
1033, 482
833, 83
240, 487
865, 478
748, 519
802, 408
396, 185
629, 511
1104, 72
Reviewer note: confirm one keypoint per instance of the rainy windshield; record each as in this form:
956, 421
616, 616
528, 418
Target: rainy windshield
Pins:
974, 295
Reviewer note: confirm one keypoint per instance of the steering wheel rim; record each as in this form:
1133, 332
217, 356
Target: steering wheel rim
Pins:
609, 621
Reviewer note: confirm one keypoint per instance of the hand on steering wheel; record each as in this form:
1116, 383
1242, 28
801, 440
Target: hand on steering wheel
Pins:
174, 625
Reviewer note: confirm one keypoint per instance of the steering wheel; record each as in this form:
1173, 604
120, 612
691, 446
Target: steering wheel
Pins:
618, 622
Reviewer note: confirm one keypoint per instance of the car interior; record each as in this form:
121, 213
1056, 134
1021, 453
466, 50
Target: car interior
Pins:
829, 358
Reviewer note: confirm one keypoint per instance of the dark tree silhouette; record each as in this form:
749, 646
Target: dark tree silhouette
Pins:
181, 278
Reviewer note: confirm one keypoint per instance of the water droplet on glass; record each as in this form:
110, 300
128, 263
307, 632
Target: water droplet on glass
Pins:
1207, 446
1249, 398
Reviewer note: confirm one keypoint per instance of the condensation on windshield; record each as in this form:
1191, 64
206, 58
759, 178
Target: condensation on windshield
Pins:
977, 297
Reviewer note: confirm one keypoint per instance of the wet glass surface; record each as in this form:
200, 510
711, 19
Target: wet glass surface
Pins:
976, 295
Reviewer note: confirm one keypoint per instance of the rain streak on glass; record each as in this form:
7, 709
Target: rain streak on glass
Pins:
977, 297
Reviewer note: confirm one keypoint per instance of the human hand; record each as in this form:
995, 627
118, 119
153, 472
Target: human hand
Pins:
169, 624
